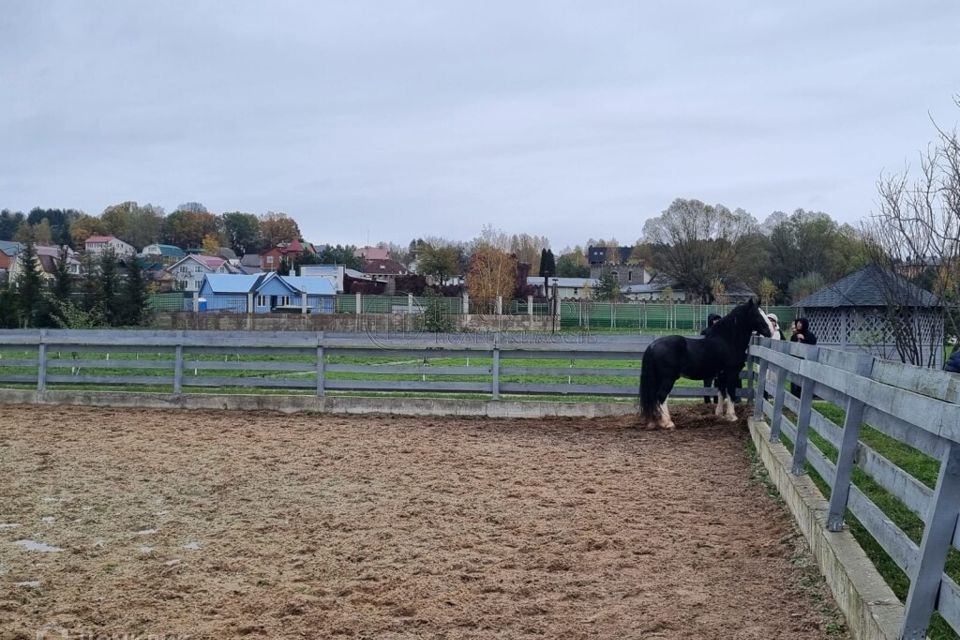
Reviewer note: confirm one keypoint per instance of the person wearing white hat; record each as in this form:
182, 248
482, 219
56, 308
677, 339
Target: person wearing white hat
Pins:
775, 334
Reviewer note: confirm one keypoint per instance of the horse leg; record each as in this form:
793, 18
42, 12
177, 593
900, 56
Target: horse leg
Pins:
721, 395
663, 417
731, 395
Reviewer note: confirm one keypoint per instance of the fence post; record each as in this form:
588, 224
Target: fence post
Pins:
499, 305
466, 303
530, 306
848, 451
250, 302
410, 305
321, 366
777, 405
196, 301
495, 370
359, 303
937, 536
803, 419
42, 361
178, 367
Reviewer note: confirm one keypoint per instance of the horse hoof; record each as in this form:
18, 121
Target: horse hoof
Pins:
669, 426
730, 418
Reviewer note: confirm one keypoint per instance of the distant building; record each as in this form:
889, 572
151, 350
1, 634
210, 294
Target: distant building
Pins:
45, 262
270, 260
95, 245
166, 254
265, 293
618, 261
188, 273
567, 288
372, 253
385, 270
344, 280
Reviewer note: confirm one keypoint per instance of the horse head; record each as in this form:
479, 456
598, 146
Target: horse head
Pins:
755, 318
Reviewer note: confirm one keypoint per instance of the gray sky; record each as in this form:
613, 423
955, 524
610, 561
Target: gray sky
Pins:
390, 120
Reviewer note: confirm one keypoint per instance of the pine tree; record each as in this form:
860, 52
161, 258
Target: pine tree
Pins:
62, 279
109, 293
134, 301
90, 282
32, 307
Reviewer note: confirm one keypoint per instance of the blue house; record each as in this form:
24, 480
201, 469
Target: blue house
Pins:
266, 292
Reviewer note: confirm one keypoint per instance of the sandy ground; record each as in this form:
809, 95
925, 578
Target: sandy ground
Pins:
213, 525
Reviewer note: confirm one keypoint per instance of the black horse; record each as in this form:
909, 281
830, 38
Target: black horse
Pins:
720, 354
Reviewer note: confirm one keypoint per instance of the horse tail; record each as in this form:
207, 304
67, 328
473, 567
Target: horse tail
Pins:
649, 406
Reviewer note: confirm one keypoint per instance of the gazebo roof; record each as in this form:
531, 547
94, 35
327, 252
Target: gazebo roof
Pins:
869, 287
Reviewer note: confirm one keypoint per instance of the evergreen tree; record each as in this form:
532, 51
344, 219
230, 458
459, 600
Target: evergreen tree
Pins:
134, 301
90, 282
62, 279
32, 307
109, 291
548, 267
608, 287
283, 269
9, 306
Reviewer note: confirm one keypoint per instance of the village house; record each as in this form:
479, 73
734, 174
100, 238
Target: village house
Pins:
96, 245
188, 273
266, 293
618, 261
165, 254
289, 251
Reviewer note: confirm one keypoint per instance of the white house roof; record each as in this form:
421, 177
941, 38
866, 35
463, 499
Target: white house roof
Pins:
566, 283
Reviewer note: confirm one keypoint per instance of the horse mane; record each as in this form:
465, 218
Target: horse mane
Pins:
734, 326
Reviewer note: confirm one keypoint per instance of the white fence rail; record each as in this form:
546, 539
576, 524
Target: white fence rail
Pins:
915, 406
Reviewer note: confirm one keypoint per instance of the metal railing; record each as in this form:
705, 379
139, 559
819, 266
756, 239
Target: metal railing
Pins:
916, 407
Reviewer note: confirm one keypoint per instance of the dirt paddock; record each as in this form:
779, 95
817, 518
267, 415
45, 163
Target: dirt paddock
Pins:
213, 525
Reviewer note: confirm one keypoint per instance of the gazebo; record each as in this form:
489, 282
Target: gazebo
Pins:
878, 312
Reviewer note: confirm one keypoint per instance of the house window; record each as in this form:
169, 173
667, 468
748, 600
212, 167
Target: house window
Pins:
284, 301
198, 269
269, 259
196, 284
261, 301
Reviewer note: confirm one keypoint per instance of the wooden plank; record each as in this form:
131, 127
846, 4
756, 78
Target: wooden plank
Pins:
415, 369
905, 432
68, 363
911, 492
420, 354
247, 365
839, 492
949, 602
18, 362
928, 382
821, 464
387, 385
11, 377
569, 389
622, 372
826, 428
939, 530
42, 377
559, 354
111, 380
895, 542
291, 383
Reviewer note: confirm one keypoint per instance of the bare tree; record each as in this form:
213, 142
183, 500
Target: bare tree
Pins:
696, 243
915, 235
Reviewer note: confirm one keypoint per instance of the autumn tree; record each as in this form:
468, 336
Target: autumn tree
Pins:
440, 261
493, 274
84, 226
529, 249
135, 224
242, 231
210, 245
39, 233
696, 243
572, 263
275, 228
186, 227
767, 291
58, 222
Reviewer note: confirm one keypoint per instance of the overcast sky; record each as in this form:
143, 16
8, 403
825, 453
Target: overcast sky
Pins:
390, 120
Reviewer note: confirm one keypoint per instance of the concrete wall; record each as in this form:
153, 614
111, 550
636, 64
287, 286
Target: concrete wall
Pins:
305, 403
373, 322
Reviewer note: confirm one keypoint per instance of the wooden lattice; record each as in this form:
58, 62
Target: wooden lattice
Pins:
869, 329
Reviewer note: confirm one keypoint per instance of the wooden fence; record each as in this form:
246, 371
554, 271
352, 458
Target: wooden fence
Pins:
259, 361
915, 406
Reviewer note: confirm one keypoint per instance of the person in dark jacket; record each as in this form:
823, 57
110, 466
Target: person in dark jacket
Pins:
708, 383
802, 334
953, 363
